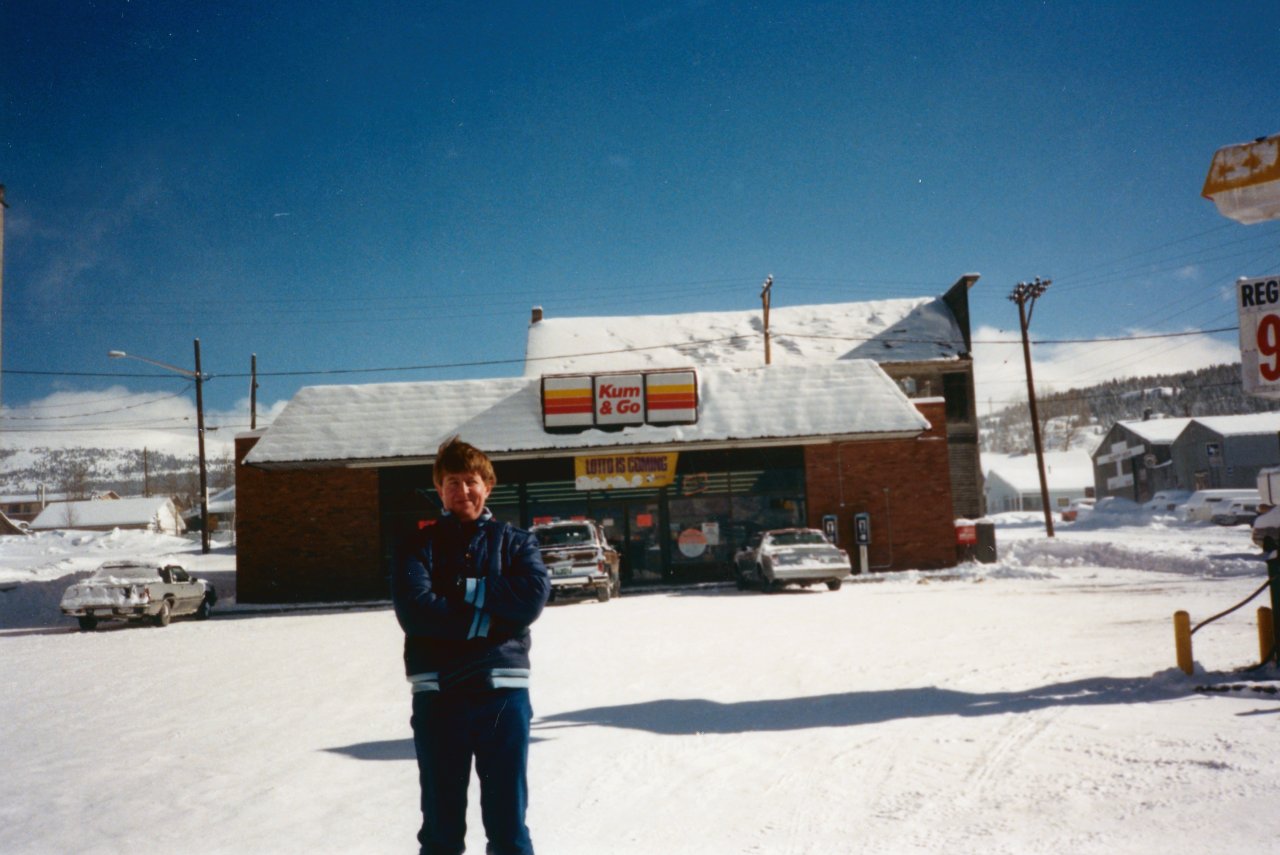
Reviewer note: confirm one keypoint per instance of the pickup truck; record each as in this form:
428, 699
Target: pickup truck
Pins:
579, 559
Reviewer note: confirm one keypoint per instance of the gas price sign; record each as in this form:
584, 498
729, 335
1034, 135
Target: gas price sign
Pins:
1258, 302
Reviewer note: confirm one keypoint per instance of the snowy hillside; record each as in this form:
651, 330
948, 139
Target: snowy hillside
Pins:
1029, 706
112, 439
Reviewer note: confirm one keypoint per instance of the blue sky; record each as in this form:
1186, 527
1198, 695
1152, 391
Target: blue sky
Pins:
337, 187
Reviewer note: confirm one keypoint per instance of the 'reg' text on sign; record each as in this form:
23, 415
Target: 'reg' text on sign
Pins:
1258, 305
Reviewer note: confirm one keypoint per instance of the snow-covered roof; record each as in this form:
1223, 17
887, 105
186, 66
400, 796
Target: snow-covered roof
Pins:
903, 330
96, 513
1158, 431
1064, 470
1243, 425
406, 422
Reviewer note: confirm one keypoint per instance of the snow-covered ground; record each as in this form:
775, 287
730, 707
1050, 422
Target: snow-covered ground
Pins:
1028, 706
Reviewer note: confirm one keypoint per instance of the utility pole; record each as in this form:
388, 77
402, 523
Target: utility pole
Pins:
253, 391
204, 477
766, 294
1025, 295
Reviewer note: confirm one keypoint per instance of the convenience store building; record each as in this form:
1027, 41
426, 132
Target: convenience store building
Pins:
679, 464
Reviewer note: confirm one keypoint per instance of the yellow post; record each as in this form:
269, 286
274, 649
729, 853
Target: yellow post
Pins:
1266, 632
1182, 639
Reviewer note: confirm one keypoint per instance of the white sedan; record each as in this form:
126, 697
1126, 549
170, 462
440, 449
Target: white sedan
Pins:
790, 556
137, 590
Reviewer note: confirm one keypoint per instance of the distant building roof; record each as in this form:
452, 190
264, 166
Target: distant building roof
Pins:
221, 502
1064, 470
1157, 431
406, 422
903, 330
98, 513
1243, 425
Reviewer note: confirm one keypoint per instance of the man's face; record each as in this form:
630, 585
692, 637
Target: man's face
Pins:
463, 494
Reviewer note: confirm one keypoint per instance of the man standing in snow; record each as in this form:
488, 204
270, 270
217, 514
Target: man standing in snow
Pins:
466, 590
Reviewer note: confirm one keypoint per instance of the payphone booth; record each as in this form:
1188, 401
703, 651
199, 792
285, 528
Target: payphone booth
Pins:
862, 537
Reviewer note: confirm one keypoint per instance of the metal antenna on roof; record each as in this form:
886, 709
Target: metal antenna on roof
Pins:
1025, 294
765, 294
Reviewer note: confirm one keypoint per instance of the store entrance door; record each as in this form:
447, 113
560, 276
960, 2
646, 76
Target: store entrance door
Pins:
631, 527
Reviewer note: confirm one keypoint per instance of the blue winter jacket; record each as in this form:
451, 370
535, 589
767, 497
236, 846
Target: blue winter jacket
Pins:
465, 597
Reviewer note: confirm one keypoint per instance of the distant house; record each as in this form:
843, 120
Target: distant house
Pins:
222, 512
1225, 452
158, 514
1135, 459
1013, 481
25, 507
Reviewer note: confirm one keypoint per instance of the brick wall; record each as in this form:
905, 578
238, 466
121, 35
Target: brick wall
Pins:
306, 534
904, 485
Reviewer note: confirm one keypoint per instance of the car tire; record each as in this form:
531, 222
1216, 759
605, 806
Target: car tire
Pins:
88, 623
834, 584
602, 593
206, 608
767, 585
165, 614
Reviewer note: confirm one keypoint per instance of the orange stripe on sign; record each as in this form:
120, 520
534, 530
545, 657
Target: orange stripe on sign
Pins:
566, 393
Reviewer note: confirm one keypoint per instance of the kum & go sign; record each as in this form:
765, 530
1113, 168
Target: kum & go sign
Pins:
572, 402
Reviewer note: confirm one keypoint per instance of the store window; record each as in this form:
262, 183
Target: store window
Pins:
713, 514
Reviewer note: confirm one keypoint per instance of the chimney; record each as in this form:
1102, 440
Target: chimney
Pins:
537, 315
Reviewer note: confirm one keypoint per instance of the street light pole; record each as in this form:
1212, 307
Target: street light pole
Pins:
198, 377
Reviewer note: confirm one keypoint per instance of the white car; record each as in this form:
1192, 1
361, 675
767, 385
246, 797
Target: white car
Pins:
137, 590
1236, 512
790, 556
579, 559
1203, 504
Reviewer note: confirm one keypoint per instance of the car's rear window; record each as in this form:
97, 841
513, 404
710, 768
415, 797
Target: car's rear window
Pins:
797, 538
563, 535
126, 571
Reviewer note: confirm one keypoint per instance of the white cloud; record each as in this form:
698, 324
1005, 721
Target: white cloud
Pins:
120, 418
1000, 373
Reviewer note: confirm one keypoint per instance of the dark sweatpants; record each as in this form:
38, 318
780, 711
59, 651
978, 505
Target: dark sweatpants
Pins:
449, 728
